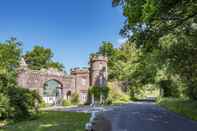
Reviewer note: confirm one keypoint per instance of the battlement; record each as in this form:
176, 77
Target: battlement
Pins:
78, 70
98, 58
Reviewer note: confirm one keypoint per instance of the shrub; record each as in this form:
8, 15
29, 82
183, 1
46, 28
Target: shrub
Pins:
192, 90
169, 88
75, 98
111, 94
185, 107
4, 106
96, 91
66, 103
116, 96
19, 103
42, 104
16, 102
24, 102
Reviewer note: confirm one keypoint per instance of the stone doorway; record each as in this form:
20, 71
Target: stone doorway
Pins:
53, 92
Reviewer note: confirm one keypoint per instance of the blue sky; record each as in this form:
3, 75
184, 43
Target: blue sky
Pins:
71, 28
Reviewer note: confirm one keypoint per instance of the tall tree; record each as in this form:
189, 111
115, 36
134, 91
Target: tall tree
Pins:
10, 53
15, 102
168, 27
41, 57
108, 50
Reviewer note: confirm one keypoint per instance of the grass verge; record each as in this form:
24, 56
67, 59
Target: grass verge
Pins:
187, 108
51, 121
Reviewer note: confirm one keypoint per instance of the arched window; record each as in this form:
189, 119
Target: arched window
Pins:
52, 88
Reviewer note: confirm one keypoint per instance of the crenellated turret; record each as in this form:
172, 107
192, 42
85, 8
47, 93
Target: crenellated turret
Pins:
98, 70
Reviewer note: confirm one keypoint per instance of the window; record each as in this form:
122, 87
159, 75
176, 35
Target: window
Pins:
83, 97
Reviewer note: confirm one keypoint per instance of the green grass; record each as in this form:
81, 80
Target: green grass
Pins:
52, 121
187, 108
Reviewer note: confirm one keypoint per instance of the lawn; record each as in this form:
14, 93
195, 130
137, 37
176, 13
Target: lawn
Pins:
187, 108
52, 121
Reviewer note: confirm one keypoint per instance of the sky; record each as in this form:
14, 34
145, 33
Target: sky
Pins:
73, 29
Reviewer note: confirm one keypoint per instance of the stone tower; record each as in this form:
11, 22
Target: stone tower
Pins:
98, 71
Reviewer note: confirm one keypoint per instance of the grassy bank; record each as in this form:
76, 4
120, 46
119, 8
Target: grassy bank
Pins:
52, 121
187, 108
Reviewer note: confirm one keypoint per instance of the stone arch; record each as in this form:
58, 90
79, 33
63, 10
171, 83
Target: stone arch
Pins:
52, 91
54, 84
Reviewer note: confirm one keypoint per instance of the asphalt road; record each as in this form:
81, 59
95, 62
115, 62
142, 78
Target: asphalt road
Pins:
143, 117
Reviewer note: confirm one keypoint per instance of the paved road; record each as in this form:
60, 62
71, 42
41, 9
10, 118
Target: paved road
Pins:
146, 117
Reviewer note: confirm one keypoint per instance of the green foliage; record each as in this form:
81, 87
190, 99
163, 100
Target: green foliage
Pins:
75, 98
15, 102
131, 67
111, 95
116, 95
23, 102
4, 106
182, 106
97, 91
169, 88
66, 103
52, 121
192, 90
9, 55
148, 91
55, 65
41, 57
107, 49
164, 32
42, 104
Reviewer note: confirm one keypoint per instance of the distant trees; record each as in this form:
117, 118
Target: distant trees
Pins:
122, 64
161, 48
165, 32
41, 57
108, 50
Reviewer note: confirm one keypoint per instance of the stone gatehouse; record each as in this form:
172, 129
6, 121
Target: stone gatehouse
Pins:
52, 84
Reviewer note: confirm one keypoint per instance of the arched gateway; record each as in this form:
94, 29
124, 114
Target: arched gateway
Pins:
52, 84
53, 92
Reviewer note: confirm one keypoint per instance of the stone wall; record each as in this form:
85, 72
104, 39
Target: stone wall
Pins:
78, 81
35, 80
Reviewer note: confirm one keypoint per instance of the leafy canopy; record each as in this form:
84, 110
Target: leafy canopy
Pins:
41, 57
166, 29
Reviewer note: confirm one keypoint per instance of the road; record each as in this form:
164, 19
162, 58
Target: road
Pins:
144, 116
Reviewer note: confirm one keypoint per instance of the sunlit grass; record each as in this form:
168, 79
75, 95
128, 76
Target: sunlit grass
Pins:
187, 108
52, 121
